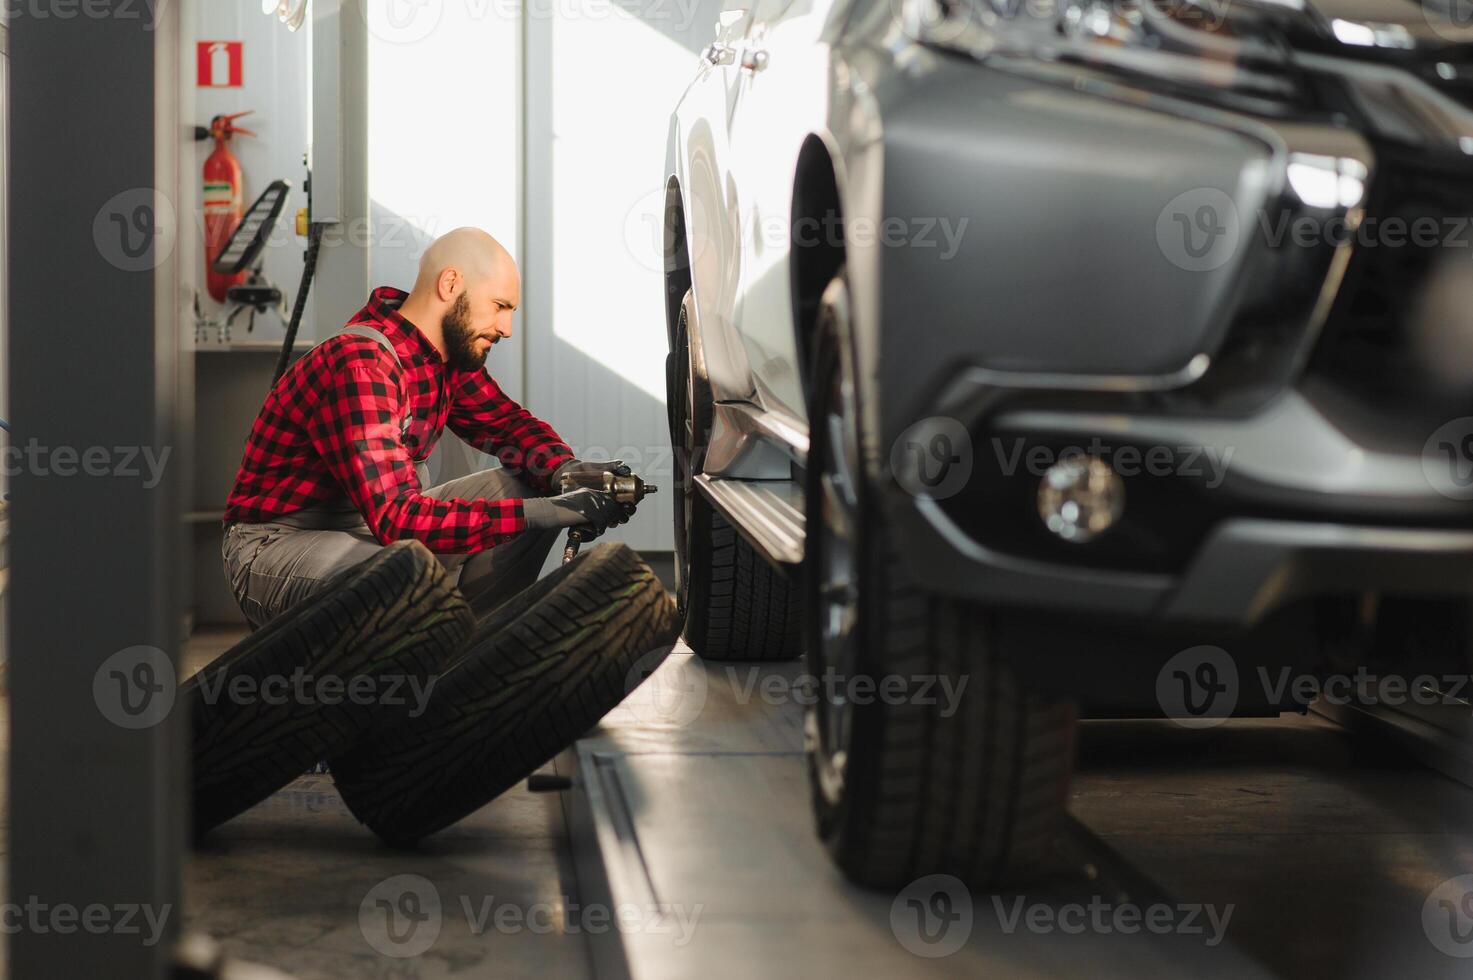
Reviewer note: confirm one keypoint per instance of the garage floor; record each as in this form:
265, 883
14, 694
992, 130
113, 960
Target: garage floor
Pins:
293, 884
1317, 852
1325, 849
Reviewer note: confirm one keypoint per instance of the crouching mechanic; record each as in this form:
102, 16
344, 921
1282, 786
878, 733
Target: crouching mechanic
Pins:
332, 468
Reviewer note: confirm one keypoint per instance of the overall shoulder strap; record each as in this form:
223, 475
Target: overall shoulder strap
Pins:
377, 337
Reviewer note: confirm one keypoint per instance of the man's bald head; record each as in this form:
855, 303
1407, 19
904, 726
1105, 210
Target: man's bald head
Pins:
463, 299
469, 251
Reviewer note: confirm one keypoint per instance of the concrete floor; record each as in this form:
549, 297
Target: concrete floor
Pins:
1327, 847
295, 882
1317, 852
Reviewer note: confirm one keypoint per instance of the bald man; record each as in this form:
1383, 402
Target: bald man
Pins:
334, 466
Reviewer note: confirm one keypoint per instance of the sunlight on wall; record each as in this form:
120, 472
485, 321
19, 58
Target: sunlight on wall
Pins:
608, 178
442, 119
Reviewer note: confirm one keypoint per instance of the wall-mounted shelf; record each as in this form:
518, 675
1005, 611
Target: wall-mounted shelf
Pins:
259, 346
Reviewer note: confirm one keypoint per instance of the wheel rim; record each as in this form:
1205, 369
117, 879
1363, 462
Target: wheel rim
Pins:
837, 576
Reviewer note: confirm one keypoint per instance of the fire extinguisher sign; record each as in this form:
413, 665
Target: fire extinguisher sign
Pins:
221, 63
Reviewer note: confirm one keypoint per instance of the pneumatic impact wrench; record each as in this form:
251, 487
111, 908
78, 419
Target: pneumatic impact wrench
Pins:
624, 489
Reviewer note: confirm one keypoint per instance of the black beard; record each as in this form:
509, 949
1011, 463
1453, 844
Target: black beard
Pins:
460, 342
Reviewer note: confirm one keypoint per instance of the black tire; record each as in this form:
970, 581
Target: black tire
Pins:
972, 785
395, 620
538, 672
731, 603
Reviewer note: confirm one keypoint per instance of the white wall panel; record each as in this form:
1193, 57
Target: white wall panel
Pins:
443, 128
616, 72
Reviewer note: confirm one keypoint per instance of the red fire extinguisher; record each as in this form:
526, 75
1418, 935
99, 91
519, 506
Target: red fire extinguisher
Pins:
224, 200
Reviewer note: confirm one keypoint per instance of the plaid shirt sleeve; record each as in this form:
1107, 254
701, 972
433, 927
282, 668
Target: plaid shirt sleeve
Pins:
356, 430
485, 417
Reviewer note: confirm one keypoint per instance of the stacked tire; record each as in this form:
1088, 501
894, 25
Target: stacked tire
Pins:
536, 673
315, 680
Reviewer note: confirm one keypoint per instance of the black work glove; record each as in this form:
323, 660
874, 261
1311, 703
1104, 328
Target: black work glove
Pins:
581, 467
582, 508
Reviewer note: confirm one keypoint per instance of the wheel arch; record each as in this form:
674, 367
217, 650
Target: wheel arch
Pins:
816, 251
676, 256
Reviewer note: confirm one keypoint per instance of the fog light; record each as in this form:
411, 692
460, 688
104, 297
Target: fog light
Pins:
1080, 498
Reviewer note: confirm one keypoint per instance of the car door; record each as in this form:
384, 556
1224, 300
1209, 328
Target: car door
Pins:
782, 93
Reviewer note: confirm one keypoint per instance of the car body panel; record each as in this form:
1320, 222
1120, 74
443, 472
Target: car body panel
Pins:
1069, 289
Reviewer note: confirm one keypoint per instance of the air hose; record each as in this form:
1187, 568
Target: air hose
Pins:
309, 266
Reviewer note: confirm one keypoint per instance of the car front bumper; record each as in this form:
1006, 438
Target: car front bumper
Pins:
1290, 506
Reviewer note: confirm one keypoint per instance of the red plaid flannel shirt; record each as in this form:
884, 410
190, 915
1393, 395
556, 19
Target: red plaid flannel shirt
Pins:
335, 425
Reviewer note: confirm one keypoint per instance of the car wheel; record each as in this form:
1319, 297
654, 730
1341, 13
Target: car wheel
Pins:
733, 605
955, 770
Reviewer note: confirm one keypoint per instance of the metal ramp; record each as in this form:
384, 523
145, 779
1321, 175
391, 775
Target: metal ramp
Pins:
689, 807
